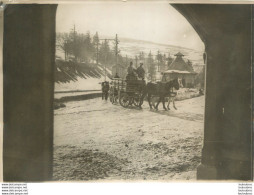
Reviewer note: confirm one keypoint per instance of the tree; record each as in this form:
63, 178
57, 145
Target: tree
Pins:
151, 67
190, 64
105, 53
96, 42
169, 59
63, 43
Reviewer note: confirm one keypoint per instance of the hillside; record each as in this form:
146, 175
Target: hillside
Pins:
132, 47
70, 76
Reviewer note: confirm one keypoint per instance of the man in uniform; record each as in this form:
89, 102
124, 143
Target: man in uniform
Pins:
105, 89
131, 72
141, 72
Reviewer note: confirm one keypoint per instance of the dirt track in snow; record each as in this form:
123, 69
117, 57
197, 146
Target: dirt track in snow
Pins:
95, 140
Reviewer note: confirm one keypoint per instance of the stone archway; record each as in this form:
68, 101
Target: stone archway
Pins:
226, 33
28, 65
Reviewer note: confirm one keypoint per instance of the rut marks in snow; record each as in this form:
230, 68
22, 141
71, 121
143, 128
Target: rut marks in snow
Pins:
80, 112
73, 163
184, 116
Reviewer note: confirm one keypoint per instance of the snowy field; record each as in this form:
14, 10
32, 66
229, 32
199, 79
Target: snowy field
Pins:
81, 84
74, 93
95, 140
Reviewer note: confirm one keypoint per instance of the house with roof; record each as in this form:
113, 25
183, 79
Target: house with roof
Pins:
180, 69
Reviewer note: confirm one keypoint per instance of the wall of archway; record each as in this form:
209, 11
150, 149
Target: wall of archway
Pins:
29, 54
226, 32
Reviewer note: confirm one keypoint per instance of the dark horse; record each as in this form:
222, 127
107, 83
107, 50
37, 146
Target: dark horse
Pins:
161, 90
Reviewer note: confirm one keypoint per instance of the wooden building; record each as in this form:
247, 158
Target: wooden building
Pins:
180, 69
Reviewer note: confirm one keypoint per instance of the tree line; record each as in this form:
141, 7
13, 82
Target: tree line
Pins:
90, 49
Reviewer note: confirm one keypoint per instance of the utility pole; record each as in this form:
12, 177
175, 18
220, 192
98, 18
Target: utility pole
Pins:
97, 53
116, 49
105, 59
116, 53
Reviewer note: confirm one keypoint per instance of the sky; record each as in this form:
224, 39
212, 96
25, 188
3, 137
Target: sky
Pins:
150, 21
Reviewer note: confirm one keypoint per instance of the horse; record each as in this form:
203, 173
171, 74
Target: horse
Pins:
161, 90
170, 98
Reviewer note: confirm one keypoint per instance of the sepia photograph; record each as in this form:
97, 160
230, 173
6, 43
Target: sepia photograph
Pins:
115, 63
140, 91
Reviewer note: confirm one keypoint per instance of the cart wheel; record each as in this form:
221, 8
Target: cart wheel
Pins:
124, 100
111, 98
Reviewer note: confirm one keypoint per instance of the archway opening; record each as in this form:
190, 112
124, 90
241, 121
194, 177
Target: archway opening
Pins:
98, 139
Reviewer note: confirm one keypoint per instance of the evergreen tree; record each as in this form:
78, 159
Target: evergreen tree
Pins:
190, 64
169, 60
105, 53
151, 67
96, 42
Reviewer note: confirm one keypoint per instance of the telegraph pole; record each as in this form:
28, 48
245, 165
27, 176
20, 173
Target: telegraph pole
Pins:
116, 53
97, 53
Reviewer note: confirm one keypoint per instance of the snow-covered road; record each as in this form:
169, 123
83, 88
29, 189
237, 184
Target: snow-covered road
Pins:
95, 140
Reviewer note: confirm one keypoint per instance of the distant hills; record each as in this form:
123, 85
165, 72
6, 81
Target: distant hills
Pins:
132, 47
81, 76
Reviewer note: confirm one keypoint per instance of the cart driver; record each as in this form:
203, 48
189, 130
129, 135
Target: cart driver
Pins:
141, 72
131, 72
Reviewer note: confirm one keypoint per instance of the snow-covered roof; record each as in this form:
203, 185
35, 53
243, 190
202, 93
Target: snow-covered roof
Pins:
180, 65
179, 54
178, 71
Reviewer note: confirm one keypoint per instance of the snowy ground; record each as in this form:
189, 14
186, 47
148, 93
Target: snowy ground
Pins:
95, 140
75, 93
81, 84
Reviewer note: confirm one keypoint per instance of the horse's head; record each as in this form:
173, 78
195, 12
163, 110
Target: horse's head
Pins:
176, 83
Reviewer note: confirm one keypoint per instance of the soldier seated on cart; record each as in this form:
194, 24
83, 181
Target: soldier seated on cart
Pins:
131, 73
141, 72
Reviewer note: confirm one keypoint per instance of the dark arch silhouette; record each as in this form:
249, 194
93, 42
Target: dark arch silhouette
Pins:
28, 61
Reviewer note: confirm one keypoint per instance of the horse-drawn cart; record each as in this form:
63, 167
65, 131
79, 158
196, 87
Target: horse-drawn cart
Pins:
127, 92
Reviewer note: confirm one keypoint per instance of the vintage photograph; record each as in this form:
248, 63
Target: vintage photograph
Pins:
129, 93
140, 91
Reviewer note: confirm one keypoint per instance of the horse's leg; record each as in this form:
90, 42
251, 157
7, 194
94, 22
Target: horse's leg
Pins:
153, 102
149, 102
156, 107
143, 95
168, 103
174, 104
163, 102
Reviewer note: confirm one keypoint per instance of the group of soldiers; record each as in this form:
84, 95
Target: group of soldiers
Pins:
134, 74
